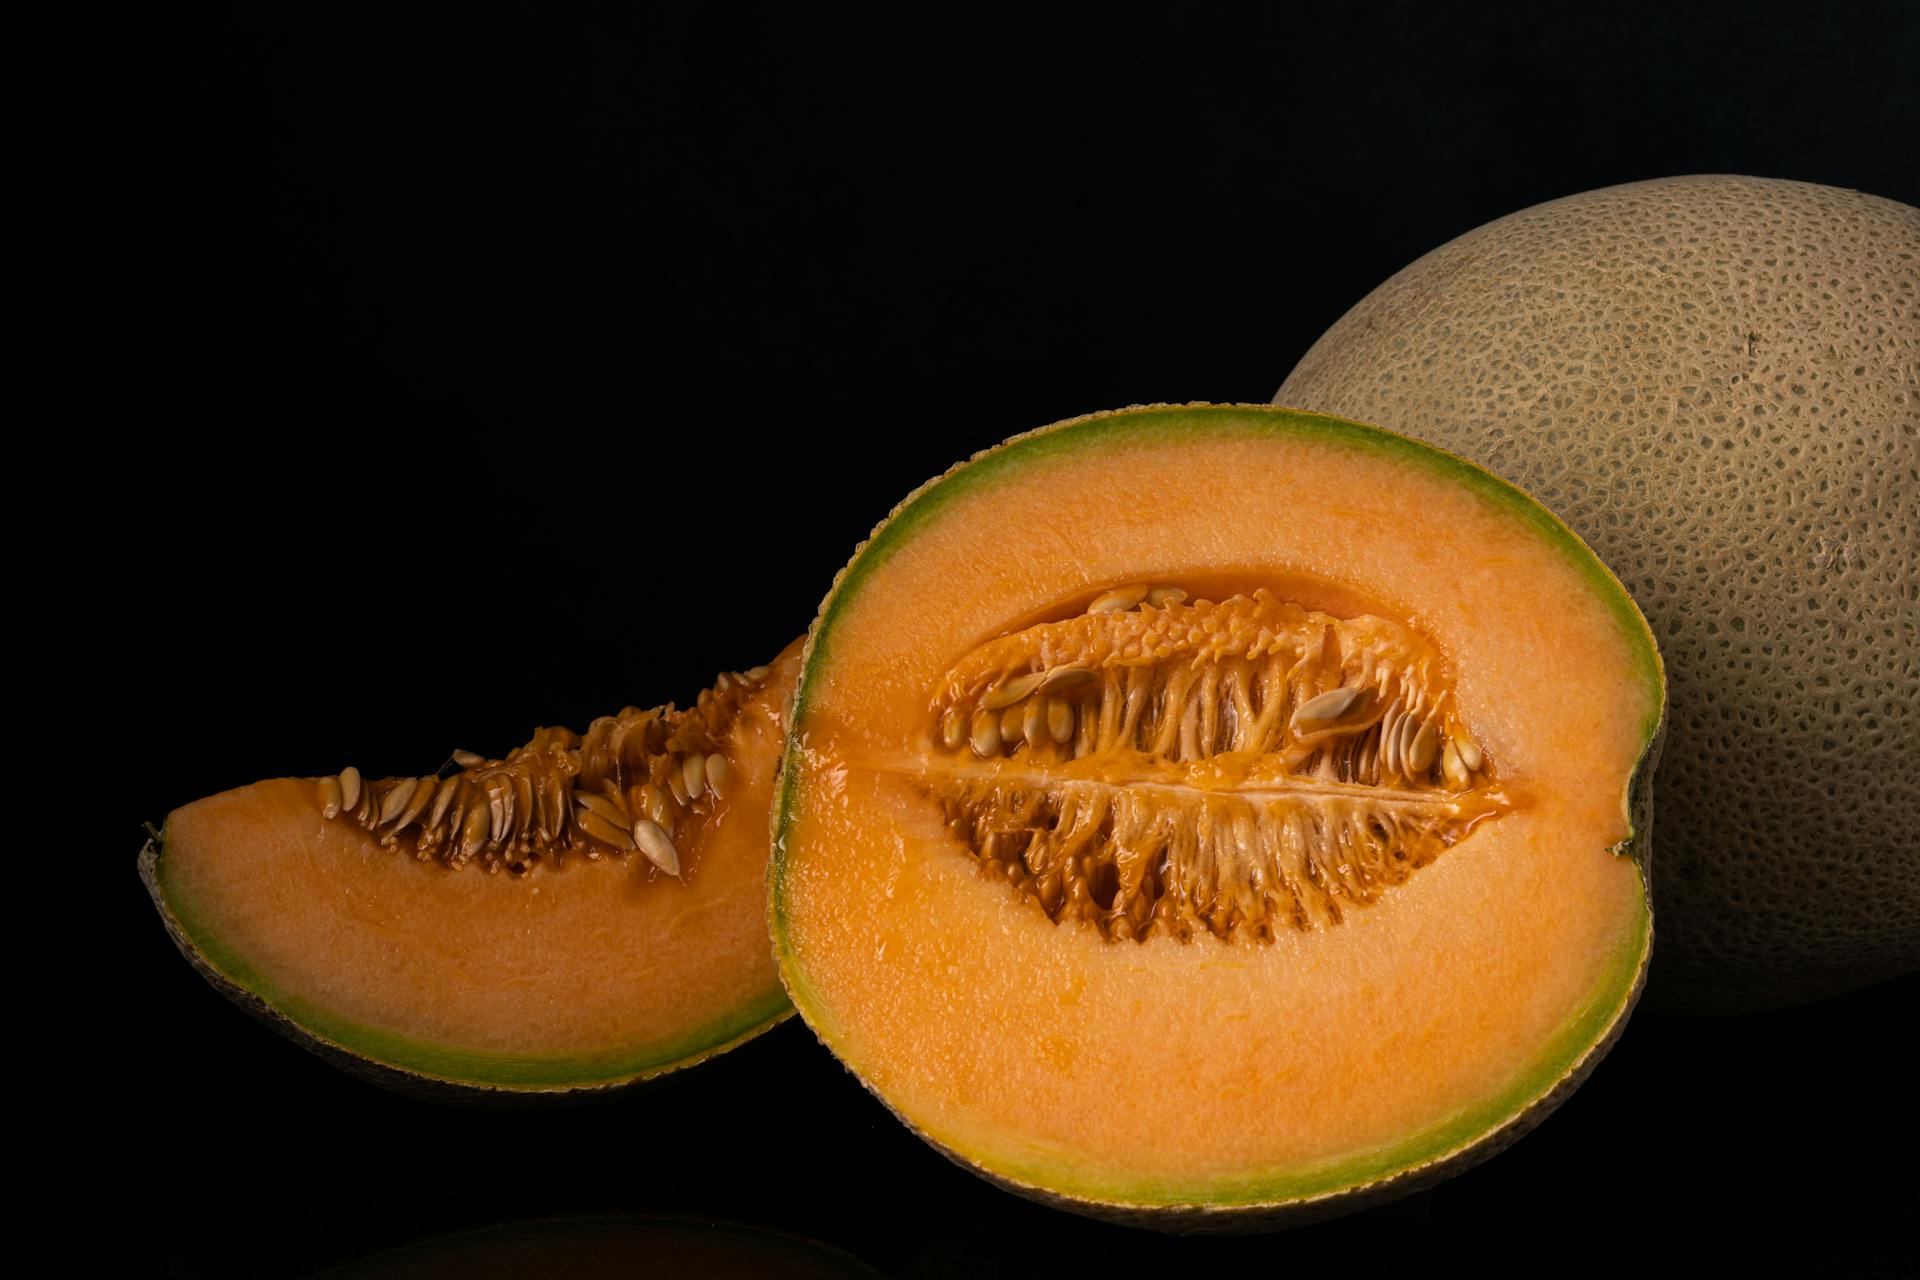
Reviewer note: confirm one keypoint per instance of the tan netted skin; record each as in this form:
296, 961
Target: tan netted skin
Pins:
1716, 381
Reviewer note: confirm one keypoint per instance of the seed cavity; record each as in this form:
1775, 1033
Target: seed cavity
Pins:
635, 782
1232, 768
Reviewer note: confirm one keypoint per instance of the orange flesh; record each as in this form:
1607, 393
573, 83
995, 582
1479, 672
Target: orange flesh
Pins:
1160, 1070
602, 969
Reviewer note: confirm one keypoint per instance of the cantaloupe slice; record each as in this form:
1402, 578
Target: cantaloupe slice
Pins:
1218, 815
516, 929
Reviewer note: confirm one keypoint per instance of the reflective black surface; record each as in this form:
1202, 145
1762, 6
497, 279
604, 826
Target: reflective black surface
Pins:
1774, 1131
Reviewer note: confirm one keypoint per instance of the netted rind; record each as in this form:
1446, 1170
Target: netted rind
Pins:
1716, 382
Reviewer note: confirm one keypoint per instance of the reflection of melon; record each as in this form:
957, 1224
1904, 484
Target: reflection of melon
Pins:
495, 933
1218, 816
610, 1248
1716, 381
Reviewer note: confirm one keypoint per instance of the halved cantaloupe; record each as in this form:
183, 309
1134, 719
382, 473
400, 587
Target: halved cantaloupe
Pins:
620, 935
1221, 815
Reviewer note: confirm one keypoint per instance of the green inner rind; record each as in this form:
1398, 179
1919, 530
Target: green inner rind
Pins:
477, 1068
1585, 1027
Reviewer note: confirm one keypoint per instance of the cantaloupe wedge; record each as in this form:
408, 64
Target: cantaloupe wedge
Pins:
1218, 816
584, 914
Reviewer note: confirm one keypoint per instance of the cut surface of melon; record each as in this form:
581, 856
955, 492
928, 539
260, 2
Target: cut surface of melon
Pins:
581, 975
1272, 1037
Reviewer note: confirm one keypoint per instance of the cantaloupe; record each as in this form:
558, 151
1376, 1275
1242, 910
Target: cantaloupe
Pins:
585, 913
1716, 381
1218, 816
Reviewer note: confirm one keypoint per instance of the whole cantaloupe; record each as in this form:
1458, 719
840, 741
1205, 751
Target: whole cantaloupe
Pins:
1716, 381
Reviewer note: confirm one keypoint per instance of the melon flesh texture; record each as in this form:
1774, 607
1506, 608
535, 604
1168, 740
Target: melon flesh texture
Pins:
584, 974
1219, 1073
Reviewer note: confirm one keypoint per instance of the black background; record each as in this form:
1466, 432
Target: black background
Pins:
425, 378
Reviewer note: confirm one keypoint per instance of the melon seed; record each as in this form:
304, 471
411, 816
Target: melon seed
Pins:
985, 737
1013, 725
497, 810
1118, 599
1420, 752
1033, 726
396, 800
442, 798
600, 829
1066, 680
656, 845
1409, 730
1328, 709
550, 808
1390, 738
719, 776
953, 729
422, 793
473, 832
1059, 719
1010, 691
609, 812
330, 797
649, 801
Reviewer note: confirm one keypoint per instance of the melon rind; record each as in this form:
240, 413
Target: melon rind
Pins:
1715, 378
1261, 1200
